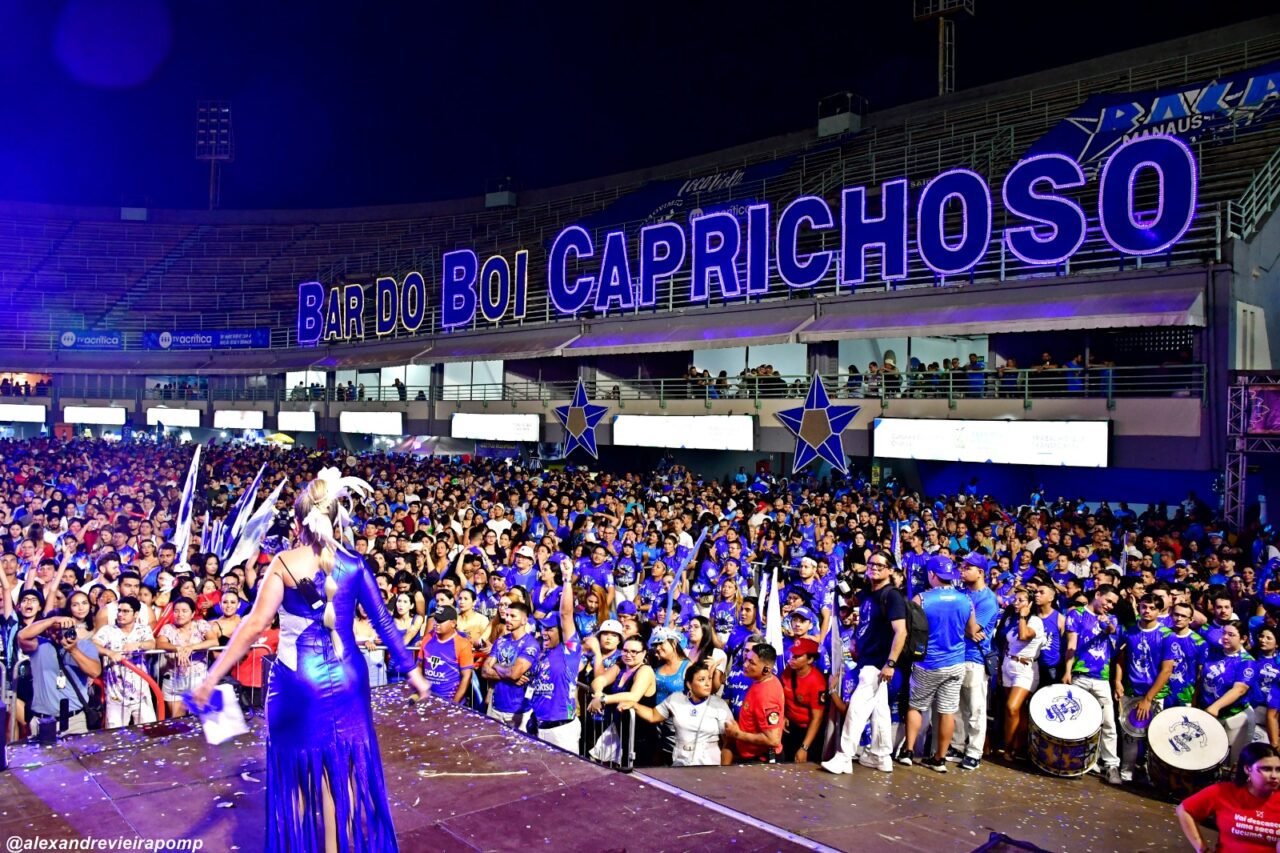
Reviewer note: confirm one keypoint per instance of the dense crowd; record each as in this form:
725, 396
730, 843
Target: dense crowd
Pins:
621, 613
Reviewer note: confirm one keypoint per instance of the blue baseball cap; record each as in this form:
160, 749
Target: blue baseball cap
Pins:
804, 613
973, 558
627, 608
552, 621
944, 567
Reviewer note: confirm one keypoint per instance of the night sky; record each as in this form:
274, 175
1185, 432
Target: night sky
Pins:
351, 103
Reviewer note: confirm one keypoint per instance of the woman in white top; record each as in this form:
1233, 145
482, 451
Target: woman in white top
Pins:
1019, 674
698, 717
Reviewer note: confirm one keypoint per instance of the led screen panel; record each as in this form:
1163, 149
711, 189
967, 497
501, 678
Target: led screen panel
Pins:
1081, 444
97, 415
296, 421
496, 427
372, 423
18, 413
1263, 405
173, 417
238, 419
691, 432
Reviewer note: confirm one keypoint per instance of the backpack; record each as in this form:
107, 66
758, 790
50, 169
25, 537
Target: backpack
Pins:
917, 632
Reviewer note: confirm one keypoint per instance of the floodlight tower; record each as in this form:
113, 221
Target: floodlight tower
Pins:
214, 141
946, 11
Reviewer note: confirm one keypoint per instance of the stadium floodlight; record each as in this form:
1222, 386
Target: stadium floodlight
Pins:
946, 12
215, 140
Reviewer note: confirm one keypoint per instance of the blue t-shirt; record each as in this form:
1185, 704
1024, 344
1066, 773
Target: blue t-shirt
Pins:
1094, 643
736, 682
948, 610
724, 616
528, 580
915, 567
1223, 672
816, 589
1144, 654
1051, 653
507, 697
625, 571
46, 697
1268, 668
1188, 655
1212, 633
650, 591
553, 680
986, 609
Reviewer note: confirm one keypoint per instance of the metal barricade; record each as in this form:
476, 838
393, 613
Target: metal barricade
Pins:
597, 726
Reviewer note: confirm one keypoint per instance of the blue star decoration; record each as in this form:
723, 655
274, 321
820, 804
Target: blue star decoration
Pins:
817, 427
579, 420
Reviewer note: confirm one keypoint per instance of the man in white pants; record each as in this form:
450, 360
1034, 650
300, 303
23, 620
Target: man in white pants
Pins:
1087, 665
882, 634
971, 722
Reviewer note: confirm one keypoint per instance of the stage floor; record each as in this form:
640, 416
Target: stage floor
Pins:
915, 808
461, 782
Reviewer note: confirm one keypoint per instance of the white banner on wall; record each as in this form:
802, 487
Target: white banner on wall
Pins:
496, 427
173, 417
238, 419
19, 413
95, 415
371, 423
689, 432
296, 421
1080, 444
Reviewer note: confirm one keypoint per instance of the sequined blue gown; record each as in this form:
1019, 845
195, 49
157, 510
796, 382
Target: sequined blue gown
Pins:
319, 722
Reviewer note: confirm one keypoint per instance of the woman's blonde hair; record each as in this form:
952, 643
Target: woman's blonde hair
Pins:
315, 498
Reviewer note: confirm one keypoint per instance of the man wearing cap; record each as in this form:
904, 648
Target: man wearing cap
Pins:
816, 587
971, 723
447, 659
936, 680
554, 678
524, 574
605, 645
805, 690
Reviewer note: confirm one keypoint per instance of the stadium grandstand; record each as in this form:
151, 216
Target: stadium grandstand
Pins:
1164, 329
707, 425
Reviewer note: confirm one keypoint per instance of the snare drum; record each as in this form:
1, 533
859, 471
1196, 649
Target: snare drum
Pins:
1186, 748
1129, 722
1066, 726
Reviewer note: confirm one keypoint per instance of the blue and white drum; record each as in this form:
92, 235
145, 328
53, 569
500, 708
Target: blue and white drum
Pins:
1186, 748
1066, 726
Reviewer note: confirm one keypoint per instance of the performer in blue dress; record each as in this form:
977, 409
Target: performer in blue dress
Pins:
325, 786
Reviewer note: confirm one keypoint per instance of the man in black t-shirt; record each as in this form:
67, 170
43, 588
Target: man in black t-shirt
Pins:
881, 637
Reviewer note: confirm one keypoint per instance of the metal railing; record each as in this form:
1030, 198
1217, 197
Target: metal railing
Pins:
1095, 381
1257, 202
1107, 382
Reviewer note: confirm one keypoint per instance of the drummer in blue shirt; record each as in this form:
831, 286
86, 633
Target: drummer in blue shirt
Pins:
1091, 641
1224, 686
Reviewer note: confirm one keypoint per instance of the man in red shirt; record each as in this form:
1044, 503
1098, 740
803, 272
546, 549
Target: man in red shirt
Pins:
757, 734
805, 688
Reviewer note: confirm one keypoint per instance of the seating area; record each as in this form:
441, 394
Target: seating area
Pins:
64, 271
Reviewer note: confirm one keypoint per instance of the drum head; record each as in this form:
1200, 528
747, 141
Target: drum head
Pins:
1066, 712
1129, 719
1188, 739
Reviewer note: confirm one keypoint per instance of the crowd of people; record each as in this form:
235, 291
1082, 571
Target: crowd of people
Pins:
600, 610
